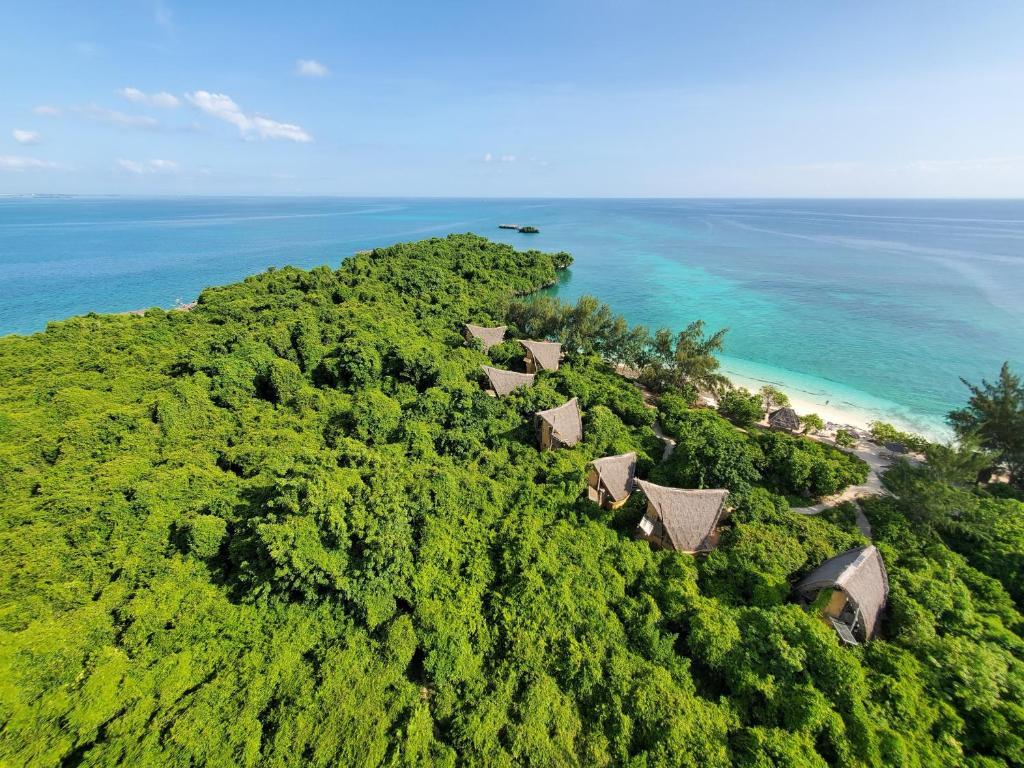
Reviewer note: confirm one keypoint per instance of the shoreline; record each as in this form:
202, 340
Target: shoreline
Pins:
833, 406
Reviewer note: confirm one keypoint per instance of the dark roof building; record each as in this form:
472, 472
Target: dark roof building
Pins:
611, 480
681, 518
860, 589
541, 355
488, 337
504, 382
560, 427
785, 419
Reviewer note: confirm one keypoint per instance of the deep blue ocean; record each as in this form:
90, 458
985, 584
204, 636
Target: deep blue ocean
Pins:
876, 306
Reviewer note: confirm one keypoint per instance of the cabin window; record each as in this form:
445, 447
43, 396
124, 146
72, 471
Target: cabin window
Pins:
646, 525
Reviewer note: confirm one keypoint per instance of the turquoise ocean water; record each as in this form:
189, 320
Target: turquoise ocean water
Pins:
876, 306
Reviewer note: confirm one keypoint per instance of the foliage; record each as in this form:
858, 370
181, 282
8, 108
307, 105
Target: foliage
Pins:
994, 415
773, 398
883, 432
288, 527
806, 467
845, 439
812, 423
741, 407
685, 361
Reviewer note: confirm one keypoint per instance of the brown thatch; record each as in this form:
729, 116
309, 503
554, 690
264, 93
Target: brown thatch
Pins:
684, 519
560, 427
504, 382
615, 475
860, 574
784, 418
542, 355
488, 337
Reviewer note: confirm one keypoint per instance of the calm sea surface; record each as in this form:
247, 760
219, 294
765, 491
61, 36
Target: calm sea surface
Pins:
879, 306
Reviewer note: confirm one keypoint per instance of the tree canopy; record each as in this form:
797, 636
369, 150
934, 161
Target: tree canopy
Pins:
289, 527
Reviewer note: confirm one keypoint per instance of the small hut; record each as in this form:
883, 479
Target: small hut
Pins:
681, 518
851, 590
559, 427
541, 355
784, 419
504, 382
488, 337
610, 480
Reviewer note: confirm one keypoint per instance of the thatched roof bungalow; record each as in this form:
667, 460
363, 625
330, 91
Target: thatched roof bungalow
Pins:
504, 382
488, 337
560, 427
611, 480
681, 518
851, 590
784, 419
541, 355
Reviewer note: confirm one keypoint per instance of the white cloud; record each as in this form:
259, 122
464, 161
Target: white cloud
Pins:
310, 68
488, 157
47, 111
223, 107
86, 48
23, 163
508, 158
105, 115
25, 137
161, 99
144, 167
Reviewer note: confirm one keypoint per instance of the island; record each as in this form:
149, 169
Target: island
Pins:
328, 517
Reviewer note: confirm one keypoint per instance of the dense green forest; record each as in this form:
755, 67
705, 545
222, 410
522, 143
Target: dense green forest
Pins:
289, 527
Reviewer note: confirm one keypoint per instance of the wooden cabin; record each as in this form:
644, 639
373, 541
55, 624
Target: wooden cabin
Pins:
850, 591
560, 427
541, 355
784, 419
488, 337
611, 480
683, 519
504, 382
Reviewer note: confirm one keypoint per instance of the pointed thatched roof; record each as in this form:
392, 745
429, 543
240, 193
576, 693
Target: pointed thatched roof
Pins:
503, 382
617, 474
784, 418
488, 337
860, 573
566, 423
690, 516
545, 353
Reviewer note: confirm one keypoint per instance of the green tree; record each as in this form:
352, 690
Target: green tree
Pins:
812, 423
686, 359
994, 415
741, 407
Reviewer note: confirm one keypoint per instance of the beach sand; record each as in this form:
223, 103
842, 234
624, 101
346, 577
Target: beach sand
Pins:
840, 412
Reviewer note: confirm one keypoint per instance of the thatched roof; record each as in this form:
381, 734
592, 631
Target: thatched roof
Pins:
503, 382
784, 418
545, 353
617, 474
489, 337
566, 423
689, 516
860, 573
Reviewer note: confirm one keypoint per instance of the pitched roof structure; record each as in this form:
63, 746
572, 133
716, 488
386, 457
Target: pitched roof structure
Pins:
617, 474
545, 353
689, 516
503, 382
566, 423
489, 337
860, 573
784, 418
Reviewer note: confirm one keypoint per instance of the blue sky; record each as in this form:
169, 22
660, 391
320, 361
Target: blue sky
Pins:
556, 98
